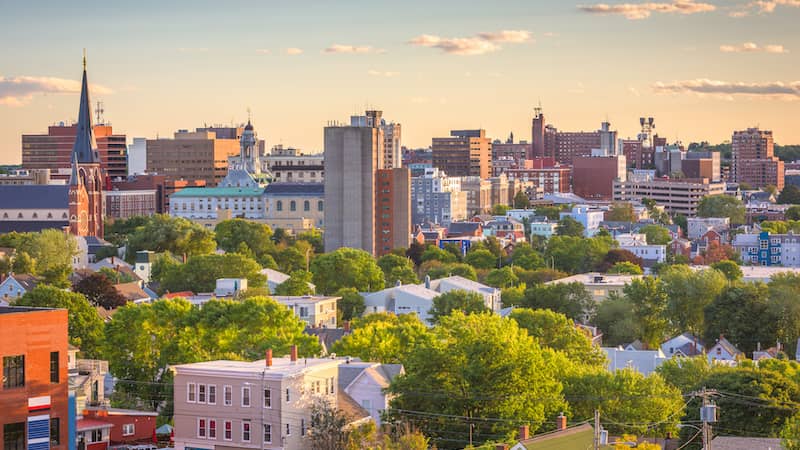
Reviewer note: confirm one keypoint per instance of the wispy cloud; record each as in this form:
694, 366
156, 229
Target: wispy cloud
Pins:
635, 92
263, 51
293, 51
379, 73
728, 89
352, 49
481, 43
638, 11
768, 6
17, 91
752, 47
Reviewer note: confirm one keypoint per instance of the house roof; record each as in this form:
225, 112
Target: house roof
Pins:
350, 408
131, 291
218, 192
382, 374
327, 336
181, 294
91, 424
461, 283
573, 438
727, 346
34, 196
27, 281
33, 226
275, 276
745, 443
463, 228
315, 189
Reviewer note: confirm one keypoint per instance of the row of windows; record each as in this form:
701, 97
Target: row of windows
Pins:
34, 216
207, 394
14, 434
207, 429
14, 370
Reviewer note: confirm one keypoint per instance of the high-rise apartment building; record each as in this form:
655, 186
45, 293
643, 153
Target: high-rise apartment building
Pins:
677, 196
594, 176
465, 153
191, 156
437, 198
54, 150
352, 159
34, 389
510, 150
479, 194
392, 210
563, 146
392, 156
753, 159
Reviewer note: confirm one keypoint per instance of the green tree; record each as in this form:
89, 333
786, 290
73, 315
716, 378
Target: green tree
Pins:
51, 249
179, 236
689, 293
397, 268
115, 276
730, 269
526, 257
656, 234
538, 276
649, 301
513, 296
481, 259
784, 290
741, 313
614, 316
721, 206
351, 304
570, 299
629, 401
790, 433
456, 269
415, 251
500, 210
433, 253
502, 278
576, 255
297, 284
686, 374
556, 331
621, 212
200, 273
447, 376
23, 263
118, 230
314, 238
383, 338
551, 212
456, 300
99, 291
521, 200
682, 222
346, 267
790, 195
616, 256
84, 324
570, 227
625, 267
793, 213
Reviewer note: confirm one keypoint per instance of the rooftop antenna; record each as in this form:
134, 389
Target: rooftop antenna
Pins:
249, 114
99, 112
84, 58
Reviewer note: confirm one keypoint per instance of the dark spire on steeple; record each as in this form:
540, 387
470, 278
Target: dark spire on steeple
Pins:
85, 148
74, 180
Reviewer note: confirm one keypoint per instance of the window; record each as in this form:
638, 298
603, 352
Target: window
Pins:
302, 427
279, 205
95, 436
191, 393
201, 428
55, 431
267, 433
288, 430
267, 398
128, 429
319, 206
201, 393
333, 385
228, 394
246, 396
292, 205
287, 395
306, 206
54, 367
13, 371
764, 244
228, 430
212, 394
246, 431
212, 429
303, 311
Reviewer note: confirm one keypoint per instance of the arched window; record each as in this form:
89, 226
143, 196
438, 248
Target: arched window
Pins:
306, 205
19, 216
279, 205
293, 206
35, 215
5, 215
49, 215
319, 205
64, 216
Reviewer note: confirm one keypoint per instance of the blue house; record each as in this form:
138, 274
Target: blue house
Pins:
15, 286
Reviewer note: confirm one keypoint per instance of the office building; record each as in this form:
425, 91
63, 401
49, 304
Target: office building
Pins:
465, 153
753, 159
393, 210
479, 194
437, 198
392, 156
515, 151
593, 176
130, 203
53, 150
191, 156
352, 159
542, 173
679, 196
137, 156
291, 165
34, 390
563, 146
294, 206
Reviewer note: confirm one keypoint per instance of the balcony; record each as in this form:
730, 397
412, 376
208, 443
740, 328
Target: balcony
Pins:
92, 366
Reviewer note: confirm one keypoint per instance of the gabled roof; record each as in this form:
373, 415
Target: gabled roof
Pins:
350, 408
327, 336
295, 189
131, 291
34, 196
745, 443
27, 281
727, 346
463, 228
574, 438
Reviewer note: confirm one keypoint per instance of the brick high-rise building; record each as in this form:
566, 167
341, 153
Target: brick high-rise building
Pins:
593, 176
465, 153
753, 160
191, 156
34, 389
563, 146
352, 159
54, 150
392, 210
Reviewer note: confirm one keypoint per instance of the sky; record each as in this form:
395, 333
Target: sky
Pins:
701, 68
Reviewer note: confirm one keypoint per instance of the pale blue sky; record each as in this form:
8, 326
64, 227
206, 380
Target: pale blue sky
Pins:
161, 66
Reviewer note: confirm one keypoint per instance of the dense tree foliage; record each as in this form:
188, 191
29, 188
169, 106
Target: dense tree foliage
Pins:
502, 278
721, 206
397, 268
230, 234
790, 195
656, 234
350, 305
481, 259
526, 257
556, 331
576, 255
570, 227
625, 268
621, 212
456, 300
99, 291
742, 314
346, 267
384, 338
162, 233
649, 301
616, 256
521, 200
614, 316
297, 284
200, 273
570, 299
689, 293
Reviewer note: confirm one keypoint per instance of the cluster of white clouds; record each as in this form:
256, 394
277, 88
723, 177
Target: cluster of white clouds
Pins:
752, 47
18, 91
479, 44
353, 49
728, 90
638, 11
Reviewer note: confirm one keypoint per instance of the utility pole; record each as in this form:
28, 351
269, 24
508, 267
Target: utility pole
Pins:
708, 414
596, 429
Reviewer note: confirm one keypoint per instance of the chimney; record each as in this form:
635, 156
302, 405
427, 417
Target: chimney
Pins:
398, 283
112, 260
293, 354
346, 326
561, 422
524, 433
427, 281
501, 447
268, 358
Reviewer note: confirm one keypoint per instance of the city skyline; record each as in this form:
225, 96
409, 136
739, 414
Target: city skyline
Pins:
702, 68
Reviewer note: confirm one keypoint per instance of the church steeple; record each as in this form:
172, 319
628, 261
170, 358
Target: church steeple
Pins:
85, 147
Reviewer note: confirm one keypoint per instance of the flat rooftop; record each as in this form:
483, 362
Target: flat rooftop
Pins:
281, 367
21, 309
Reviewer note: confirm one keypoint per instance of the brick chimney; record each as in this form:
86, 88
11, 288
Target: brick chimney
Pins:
268, 358
346, 326
501, 447
561, 422
524, 432
293, 354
